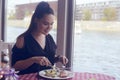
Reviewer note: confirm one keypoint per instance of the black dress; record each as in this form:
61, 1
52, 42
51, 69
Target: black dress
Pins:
32, 48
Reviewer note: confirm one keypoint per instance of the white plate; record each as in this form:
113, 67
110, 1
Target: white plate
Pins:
70, 75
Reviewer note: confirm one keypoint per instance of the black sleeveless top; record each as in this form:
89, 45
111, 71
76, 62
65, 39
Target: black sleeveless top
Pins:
32, 48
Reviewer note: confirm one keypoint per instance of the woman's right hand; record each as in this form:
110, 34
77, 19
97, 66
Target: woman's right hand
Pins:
43, 61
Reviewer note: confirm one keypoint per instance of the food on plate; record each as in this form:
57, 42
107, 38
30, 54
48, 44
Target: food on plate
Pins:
57, 74
63, 74
50, 73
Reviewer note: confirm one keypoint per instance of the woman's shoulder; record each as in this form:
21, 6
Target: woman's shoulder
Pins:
20, 42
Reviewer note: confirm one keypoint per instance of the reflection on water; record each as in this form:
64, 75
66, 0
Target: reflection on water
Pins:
13, 32
94, 51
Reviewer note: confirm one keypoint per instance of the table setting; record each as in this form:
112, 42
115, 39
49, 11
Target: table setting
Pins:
64, 74
8, 73
77, 76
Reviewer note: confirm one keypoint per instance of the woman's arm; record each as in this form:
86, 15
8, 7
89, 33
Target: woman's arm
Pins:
23, 64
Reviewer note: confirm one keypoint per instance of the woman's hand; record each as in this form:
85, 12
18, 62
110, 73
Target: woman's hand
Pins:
63, 60
43, 61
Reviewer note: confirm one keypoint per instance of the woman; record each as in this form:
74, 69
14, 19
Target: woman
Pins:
35, 49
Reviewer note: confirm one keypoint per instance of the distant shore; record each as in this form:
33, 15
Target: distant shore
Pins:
79, 25
98, 25
18, 23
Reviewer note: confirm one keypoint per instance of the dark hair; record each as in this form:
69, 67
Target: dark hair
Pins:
41, 9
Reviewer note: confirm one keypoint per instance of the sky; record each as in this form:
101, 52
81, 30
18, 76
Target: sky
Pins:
91, 1
12, 3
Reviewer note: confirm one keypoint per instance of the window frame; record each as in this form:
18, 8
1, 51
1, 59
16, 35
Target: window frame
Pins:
2, 19
66, 25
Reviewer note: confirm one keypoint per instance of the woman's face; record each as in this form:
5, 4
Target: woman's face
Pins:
45, 24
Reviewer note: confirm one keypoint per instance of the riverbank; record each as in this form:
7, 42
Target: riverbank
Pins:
20, 23
111, 26
106, 26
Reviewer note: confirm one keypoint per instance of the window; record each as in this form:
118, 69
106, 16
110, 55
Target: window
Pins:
97, 39
19, 15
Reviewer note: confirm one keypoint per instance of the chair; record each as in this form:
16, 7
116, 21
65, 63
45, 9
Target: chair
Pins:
6, 51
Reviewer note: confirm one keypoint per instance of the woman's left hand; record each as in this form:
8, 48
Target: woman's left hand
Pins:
63, 60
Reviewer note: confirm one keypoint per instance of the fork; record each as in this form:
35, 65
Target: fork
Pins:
52, 66
63, 67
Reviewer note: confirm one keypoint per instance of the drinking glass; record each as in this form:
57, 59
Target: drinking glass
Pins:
5, 58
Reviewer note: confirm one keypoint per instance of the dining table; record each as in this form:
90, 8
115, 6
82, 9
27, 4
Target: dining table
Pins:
77, 76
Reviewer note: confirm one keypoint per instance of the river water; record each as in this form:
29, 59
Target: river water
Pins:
97, 52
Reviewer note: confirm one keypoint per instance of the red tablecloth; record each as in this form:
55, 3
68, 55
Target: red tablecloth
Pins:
77, 76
